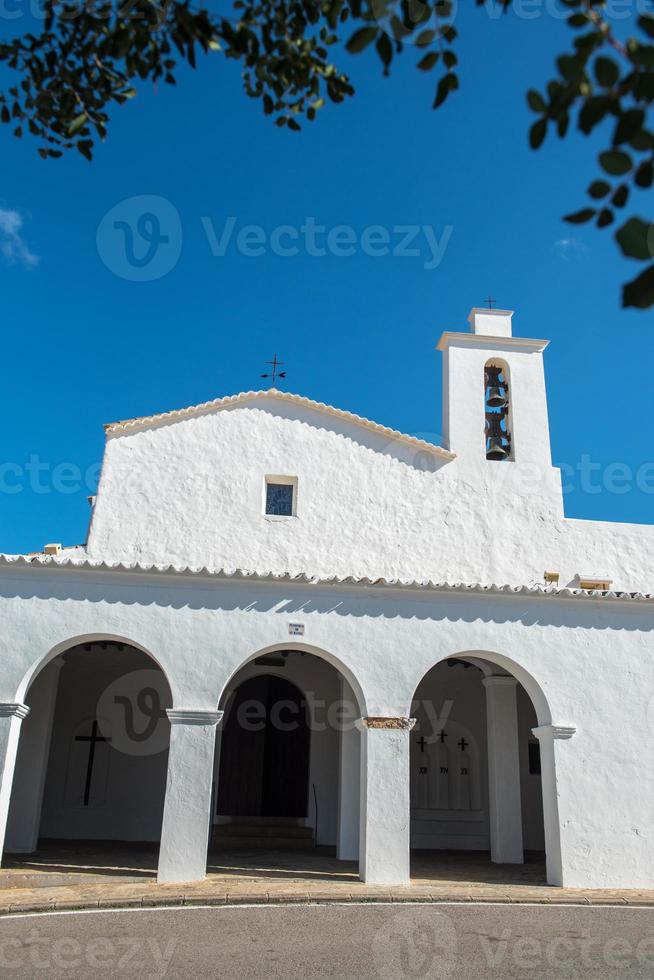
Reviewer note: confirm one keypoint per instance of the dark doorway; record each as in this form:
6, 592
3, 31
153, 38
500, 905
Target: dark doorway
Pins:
264, 752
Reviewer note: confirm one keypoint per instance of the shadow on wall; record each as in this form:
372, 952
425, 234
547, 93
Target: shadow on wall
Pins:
188, 592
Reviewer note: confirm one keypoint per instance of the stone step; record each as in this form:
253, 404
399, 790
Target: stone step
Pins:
262, 830
261, 843
263, 821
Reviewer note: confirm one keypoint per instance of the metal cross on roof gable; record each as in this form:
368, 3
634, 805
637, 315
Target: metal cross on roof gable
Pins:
275, 373
490, 301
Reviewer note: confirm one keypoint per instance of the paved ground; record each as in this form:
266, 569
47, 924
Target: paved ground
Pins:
78, 876
358, 942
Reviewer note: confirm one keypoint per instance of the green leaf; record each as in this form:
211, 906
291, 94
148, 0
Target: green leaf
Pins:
535, 101
604, 218
447, 84
384, 50
644, 175
640, 291
615, 162
425, 38
642, 141
607, 72
77, 123
537, 133
593, 111
599, 188
620, 196
628, 125
579, 217
361, 39
646, 23
636, 239
428, 61
85, 147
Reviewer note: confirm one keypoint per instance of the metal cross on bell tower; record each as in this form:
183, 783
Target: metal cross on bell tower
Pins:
275, 373
490, 301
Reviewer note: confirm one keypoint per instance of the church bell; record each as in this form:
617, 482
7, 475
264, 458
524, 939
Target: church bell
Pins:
496, 398
496, 449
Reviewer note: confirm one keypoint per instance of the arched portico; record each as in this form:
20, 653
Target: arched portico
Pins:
324, 770
482, 760
89, 753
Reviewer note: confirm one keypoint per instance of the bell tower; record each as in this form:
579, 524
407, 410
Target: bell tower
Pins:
494, 398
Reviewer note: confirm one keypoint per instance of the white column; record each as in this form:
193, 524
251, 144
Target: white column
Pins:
11, 716
349, 763
504, 798
385, 802
187, 809
32, 764
555, 757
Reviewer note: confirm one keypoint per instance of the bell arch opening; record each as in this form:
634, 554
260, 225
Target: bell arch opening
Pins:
287, 759
498, 427
92, 754
476, 779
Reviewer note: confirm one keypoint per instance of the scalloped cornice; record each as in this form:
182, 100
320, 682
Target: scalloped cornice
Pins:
146, 421
302, 578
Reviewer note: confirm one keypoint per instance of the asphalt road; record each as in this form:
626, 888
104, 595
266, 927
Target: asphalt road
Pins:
355, 942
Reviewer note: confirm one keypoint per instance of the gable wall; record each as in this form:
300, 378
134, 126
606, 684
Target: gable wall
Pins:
191, 493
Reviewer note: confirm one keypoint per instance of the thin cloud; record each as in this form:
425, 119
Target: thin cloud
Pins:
12, 244
569, 248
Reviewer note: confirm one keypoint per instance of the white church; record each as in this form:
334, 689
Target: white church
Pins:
289, 622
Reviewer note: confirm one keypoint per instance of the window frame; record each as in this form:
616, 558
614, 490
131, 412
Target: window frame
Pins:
285, 481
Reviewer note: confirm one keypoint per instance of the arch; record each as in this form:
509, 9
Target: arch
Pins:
87, 723
500, 668
480, 659
497, 411
334, 803
265, 760
315, 651
64, 645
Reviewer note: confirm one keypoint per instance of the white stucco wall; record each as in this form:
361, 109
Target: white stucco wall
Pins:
191, 492
586, 663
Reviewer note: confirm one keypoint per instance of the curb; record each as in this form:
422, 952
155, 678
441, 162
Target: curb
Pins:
261, 899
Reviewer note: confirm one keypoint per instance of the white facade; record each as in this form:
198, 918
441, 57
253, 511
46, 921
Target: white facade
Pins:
185, 576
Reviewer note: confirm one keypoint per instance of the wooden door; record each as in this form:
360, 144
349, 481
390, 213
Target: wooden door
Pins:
264, 754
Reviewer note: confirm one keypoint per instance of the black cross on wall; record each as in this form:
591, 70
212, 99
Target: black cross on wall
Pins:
421, 742
463, 744
92, 739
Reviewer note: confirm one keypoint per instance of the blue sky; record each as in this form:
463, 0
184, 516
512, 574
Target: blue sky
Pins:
83, 346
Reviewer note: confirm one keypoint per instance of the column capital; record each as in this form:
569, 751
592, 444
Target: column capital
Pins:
193, 716
404, 724
11, 709
500, 680
554, 731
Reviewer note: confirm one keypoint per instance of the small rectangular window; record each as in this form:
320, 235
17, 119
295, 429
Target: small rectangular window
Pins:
280, 499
